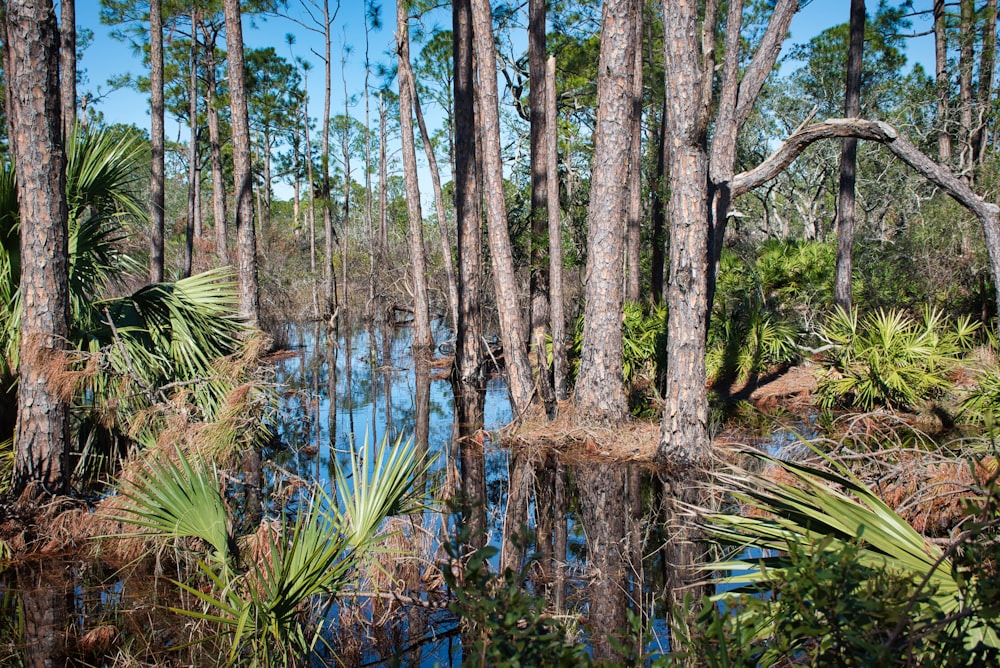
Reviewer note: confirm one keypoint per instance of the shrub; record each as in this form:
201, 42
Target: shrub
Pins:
889, 358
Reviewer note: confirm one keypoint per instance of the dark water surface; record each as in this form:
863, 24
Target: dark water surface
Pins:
367, 386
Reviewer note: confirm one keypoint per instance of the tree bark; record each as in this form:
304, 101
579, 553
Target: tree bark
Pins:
698, 212
849, 161
519, 380
967, 36
633, 242
34, 130
422, 339
538, 282
157, 143
215, 149
468, 220
600, 390
941, 83
67, 64
557, 310
246, 241
984, 87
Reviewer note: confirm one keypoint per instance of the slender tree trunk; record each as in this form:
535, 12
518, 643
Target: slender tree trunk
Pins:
345, 237
383, 182
967, 37
941, 81
157, 178
67, 64
189, 228
246, 241
422, 339
599, 387
468, 220
331, 289
633, 241
538, 284
215, 149
557, 310
984, 88
519, 380
442, 216
849, 161
658, 216
34, 129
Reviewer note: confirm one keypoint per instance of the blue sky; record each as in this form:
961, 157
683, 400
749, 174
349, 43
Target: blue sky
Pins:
107, 57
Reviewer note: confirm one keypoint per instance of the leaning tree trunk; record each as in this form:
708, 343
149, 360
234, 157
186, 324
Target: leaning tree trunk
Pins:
468, 220
422, 339
600, 391
31, 65
504, 279
246, 241
849, 161
157, 180
442, 216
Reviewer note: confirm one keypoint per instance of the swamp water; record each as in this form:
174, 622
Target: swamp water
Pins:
588, 536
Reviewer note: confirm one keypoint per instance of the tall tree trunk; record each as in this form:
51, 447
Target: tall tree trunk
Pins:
698, 222
345, 236
967, 37
246, 241
519, 380
658, 208
849, 161
192, 148
468, 218
331, 288
538, 284
633, 241
422, 339
442, 216
599, 387
34, 130
215, 149
984, 87
67, 65
941, 83
383, 182
157, 140
557, 309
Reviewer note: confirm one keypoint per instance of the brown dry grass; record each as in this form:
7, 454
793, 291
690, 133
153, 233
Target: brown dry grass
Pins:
575, 436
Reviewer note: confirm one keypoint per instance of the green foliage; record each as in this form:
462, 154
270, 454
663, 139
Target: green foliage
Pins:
506, 623
889, 358
756, 303
847, 581
644, 341
260, 605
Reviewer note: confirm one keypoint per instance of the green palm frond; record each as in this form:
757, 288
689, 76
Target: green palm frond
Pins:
828, 510
178, 499
377, 486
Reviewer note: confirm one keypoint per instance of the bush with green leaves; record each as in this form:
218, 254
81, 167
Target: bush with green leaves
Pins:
272, 604
750, 330
844, 580
889, 358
